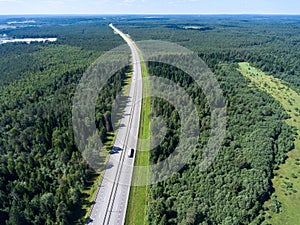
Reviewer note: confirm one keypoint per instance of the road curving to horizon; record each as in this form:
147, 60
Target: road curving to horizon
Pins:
112, 197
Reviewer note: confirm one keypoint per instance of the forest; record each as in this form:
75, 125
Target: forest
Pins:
43, 175
235, 188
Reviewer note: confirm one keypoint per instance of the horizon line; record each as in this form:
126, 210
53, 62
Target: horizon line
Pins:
140, 14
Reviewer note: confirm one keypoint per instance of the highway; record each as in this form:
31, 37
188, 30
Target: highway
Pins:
112, 196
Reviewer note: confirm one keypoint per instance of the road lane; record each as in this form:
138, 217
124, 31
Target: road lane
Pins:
112, 197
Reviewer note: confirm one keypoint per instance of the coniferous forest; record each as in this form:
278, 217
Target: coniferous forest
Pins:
43, 176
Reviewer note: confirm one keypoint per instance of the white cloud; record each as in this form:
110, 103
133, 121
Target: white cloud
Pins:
127, 2
54, 2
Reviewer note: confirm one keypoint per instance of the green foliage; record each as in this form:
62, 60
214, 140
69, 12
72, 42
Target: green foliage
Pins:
234, 189
42, 174
235, 186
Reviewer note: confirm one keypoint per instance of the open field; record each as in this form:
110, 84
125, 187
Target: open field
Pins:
287, 179
137, 205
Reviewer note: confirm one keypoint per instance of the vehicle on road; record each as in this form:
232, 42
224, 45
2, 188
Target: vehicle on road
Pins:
130, 153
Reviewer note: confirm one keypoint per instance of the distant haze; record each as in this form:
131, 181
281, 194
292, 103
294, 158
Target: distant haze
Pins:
149, 7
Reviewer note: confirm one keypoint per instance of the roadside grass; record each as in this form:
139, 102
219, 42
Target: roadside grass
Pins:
95, 177
287, 180
137, 204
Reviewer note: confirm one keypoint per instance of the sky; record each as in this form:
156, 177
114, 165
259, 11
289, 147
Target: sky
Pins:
8, 7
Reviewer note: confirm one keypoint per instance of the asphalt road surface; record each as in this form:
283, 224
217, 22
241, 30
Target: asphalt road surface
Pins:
112, 197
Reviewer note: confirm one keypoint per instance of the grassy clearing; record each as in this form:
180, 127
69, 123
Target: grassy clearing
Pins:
287, 180
137, 205
95, 177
